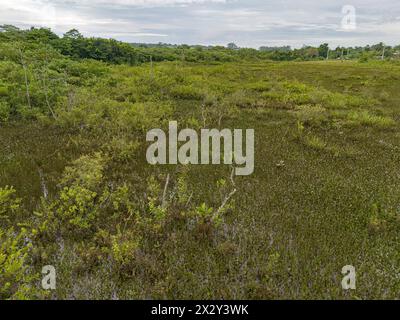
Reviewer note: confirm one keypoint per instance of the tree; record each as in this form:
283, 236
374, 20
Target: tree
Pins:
232, 46
8, 28
43, 35
323, 50
73, 34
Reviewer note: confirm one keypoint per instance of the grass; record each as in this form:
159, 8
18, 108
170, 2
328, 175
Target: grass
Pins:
323, 167
367, 119
315, 142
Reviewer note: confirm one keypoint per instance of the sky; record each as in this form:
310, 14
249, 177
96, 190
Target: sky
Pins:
248, 23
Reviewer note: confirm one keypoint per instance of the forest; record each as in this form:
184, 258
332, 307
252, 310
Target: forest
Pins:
77, 193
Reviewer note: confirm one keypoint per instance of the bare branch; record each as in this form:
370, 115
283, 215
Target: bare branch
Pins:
227, 198
46, 96
190, 199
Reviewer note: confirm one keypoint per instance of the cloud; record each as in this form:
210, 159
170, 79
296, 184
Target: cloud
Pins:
147, 3
23, 12
247, 22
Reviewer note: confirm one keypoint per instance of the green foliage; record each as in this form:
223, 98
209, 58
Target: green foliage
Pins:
16, 278
9, 204
187, 92
4, 111
87, 171
204, 213
124, 247
121, 149
365, 57
156, 209
81, 197
183, 190
77, 206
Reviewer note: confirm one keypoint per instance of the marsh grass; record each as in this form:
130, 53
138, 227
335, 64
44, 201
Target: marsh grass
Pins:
315, 142
323, 194
368, 119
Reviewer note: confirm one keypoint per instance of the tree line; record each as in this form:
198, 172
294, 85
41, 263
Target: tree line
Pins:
73, 44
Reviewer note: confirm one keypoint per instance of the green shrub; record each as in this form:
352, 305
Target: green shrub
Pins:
77, 206
260, 86
296, 87
29, 113
82, 193
187, 92
297, 98
124, 246
142, 116
17, 281
87, 171
120, 149
4, 111
9, 204
3, 91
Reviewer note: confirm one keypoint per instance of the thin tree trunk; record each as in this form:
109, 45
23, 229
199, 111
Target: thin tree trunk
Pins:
47, 97
227, 198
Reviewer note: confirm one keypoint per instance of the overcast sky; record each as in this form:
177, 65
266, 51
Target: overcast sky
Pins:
248, 23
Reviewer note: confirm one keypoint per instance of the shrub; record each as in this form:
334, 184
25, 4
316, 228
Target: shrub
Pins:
296, 87
87, 171
16, 279
77, 205
123, 248
260, 86
3, 91
142, 116
9, 203
297, 98
4, 111
28, 113
242, 99
120, 149
203, 214
187, 92
82, 193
